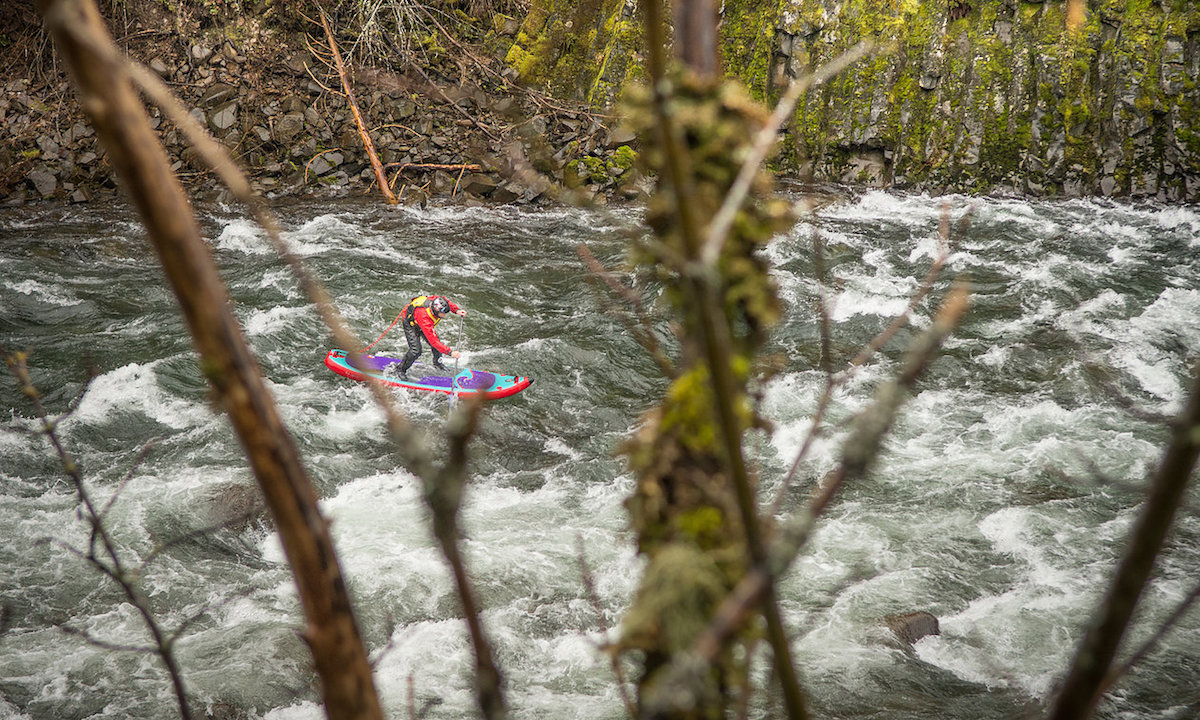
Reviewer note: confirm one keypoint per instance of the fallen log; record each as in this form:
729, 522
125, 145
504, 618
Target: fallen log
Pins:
433, 166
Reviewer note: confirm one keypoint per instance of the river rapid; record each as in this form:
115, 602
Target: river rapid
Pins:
1000, 504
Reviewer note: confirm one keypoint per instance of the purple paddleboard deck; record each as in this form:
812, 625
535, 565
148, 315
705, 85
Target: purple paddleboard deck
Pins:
386, 370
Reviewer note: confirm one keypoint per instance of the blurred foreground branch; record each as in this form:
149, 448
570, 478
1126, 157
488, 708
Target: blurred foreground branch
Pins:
1086, 679
105, 93
411, 443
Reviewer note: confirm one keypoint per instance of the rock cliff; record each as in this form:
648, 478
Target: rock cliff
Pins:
964, 95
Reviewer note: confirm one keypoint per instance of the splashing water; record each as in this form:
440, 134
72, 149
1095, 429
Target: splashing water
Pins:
983, 510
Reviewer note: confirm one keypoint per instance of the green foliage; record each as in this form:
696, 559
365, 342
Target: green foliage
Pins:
624, 158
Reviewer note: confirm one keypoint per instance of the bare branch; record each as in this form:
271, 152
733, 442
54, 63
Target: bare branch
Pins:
1153, 641
106, 645
102, 81
859, 452
643, 331
137, 463
1086, 679
946, 240
380, 176
589, 584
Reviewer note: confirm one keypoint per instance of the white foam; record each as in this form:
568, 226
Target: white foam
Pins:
243, 236
1177, 217
559, 447
273, 320
134, 389
304, 710
51, 295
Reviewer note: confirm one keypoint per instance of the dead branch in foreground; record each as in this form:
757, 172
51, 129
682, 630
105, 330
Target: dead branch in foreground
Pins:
106, 95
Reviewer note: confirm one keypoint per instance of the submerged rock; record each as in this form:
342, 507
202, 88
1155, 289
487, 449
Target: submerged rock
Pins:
911, 627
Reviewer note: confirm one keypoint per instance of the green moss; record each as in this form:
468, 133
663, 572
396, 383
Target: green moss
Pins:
680, 508
563, 43
624, 158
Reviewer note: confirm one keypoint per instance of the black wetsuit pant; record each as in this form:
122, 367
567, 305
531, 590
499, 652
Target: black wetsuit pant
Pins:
414, 335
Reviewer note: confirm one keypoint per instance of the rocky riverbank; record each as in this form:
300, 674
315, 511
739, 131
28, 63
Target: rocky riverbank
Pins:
459, 127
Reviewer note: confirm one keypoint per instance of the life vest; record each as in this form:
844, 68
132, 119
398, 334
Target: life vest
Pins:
421, 301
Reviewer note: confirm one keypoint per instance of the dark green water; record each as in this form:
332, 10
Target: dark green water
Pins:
983, 510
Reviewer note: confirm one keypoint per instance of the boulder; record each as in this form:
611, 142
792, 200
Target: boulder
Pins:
326, 162
216, 94
200, 53
911, 627
224, 117
478, 184
160, 67
44, 181
620, 136
505, 25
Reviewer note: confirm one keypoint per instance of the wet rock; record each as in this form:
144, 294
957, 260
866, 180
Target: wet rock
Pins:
911, 627
44, 182
504, 193
230, 503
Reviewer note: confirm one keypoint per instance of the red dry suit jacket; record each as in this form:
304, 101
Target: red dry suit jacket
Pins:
424, 318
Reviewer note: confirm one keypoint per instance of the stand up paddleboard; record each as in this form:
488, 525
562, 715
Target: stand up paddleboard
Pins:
466, 382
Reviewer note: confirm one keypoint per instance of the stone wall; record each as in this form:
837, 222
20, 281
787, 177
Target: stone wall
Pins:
989, 96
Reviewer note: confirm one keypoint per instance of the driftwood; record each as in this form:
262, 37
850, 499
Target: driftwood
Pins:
377, 166
461, 168
433, 166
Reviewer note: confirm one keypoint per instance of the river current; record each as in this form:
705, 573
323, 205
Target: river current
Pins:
1000, 504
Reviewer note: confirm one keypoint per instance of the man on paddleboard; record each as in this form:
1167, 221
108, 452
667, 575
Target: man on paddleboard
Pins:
420, 317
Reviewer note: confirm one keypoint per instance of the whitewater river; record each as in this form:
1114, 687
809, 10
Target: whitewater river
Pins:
1000, 504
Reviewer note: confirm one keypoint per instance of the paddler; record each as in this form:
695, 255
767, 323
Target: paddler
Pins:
420, 317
